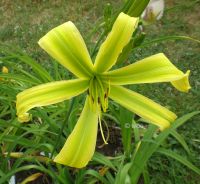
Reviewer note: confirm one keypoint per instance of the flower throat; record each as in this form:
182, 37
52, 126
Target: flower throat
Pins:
98, 92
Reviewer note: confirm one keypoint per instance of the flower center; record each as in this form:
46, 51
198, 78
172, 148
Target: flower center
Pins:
98, 92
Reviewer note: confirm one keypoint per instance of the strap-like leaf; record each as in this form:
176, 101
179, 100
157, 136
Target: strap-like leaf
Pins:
100, 158
46, 94
179, 158
137, 7
147, 148
80, 145
65, 44
142, 106
118, 38
156, 68
181, 140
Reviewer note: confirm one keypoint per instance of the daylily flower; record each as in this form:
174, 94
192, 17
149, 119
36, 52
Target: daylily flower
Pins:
154, 11
4, 70
65, 44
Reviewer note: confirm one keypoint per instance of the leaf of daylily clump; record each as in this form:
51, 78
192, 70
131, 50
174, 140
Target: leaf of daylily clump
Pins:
156, 68
65, 44
47, 94
119, 37
142, 106
80, 145
137, 7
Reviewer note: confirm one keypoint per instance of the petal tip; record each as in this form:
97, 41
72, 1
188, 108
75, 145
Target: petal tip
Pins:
164, 126
188, 87
23, 118
183, 84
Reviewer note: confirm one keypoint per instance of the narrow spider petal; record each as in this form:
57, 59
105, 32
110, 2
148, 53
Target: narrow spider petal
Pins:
119, 37
80, 145
65, 44
156, 68
142, 106
46, 94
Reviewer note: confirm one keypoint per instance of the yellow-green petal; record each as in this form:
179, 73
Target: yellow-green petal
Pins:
80, 145
142, 106
119, 37
46, 94
65, 44
156, 68
183, 83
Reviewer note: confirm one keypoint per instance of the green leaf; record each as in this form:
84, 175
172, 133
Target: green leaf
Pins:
123, 175
37, 68
181, 140
98, 157
96, 175
18, 78
149, 146
125, 119
135, 41
137, 7
146, 175
179, 158
166, 38
41, 168
160, 138
13, 53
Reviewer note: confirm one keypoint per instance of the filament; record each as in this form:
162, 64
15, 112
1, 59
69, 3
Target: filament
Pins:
101, 130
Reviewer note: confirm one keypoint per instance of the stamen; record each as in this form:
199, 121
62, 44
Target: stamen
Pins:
108, 134
98, 92
90, 88
101, 130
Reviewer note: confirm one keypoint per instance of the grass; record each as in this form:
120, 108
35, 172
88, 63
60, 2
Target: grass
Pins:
24, 23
